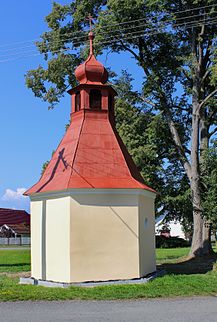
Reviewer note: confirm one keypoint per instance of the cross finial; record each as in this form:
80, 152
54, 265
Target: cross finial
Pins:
90, 18
91, 35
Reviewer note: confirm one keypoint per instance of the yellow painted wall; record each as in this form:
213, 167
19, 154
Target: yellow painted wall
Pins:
92, 237
36, 246
146, 235
104, 237
58, 240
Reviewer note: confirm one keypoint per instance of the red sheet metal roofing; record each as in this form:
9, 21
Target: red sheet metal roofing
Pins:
11, 216
91, 155
91, 71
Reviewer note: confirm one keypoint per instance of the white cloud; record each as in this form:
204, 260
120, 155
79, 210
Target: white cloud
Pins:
13, 195
15, 199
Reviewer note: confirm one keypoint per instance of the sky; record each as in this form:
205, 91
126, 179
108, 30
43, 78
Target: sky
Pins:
29, 132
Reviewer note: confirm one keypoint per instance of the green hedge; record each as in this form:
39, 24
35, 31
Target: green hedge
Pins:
170, 242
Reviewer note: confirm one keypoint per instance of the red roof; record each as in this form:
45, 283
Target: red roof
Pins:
15, 217
91, 153
20, 228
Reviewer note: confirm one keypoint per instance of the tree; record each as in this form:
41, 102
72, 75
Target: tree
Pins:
174, 43
209, 184
141, 131
147, 138
144, 133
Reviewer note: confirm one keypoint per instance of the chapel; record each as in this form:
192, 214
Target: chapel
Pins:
92, 215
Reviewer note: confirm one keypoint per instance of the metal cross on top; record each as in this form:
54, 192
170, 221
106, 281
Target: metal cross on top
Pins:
91, 36
90, 18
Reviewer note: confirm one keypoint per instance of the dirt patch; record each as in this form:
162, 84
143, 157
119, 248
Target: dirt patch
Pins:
17, 274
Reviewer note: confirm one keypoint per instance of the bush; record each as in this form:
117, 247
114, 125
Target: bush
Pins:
170, 242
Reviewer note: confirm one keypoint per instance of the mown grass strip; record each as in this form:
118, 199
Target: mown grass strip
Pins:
14, 260
167, 286
19, 260
170, 254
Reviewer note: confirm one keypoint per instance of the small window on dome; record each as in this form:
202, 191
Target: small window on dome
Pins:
95, 99
77, 101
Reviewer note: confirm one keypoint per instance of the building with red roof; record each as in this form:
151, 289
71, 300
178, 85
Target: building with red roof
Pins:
92, 215
14, 223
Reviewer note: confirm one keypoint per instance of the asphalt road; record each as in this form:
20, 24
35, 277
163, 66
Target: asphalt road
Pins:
198, 309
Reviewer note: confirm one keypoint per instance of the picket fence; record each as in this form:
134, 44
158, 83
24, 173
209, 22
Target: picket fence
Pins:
15, 241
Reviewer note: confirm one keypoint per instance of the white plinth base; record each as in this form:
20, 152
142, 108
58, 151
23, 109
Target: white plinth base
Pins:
143, 280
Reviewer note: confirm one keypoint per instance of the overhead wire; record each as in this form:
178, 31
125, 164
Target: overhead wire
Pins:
32, 40
132, 21
33, 44
144, 34
56, 43
177, 12
63, 50
118, 32
163, 26
182, 11
193, 9
139, 32
125, 36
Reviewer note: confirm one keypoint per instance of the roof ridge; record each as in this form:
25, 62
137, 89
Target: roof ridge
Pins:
11, 209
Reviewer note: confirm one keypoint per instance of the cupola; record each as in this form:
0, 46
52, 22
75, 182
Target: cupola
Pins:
92, 93
91, 71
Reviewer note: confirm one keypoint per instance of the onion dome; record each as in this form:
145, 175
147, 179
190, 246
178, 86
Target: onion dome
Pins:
91, 71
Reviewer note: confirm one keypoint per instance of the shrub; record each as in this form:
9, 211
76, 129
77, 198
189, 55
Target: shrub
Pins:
170, 242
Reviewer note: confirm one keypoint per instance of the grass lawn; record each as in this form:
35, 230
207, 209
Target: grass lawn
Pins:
173, 284
165, 255
14, 260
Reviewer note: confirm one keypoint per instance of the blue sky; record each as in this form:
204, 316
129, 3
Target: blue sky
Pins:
29, 132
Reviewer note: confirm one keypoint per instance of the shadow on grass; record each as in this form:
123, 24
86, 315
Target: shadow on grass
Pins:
187, 266
13, 265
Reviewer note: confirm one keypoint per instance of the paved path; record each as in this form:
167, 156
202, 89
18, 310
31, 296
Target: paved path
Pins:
200, 309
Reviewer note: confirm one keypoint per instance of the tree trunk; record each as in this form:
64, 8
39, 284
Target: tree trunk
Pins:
201, 241
204, 144
207, 246
197, 239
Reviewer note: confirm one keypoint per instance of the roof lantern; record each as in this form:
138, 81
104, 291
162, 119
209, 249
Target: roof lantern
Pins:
91, 71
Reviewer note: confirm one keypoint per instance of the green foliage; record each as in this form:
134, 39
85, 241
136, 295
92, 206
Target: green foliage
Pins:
44, 167
170, 242
209, 181
170, 61
46, 163
147, 139
59, 72
139, 130
160, 74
